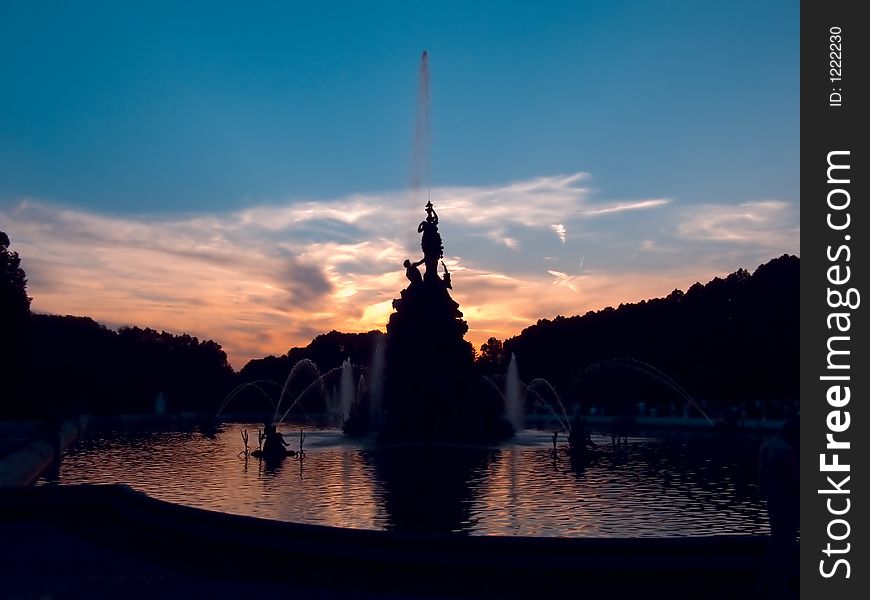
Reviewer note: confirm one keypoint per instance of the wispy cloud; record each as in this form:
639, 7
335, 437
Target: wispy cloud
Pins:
268, 277
563, 279
616, 207
772, 223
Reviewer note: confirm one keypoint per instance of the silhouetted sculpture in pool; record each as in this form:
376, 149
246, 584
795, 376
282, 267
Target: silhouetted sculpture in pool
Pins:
273, 442
428, 366
273, 446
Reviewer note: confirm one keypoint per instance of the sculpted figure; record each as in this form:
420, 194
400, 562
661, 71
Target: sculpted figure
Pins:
412, 272
433, 248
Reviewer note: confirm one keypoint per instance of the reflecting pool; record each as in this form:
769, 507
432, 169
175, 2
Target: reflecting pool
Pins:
657, 484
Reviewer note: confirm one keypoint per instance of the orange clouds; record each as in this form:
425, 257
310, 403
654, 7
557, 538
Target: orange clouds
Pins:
263, 279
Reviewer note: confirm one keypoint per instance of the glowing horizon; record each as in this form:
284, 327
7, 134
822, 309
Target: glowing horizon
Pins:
256, 177
267, 278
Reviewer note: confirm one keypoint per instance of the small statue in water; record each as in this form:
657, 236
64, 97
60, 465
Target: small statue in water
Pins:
273, 441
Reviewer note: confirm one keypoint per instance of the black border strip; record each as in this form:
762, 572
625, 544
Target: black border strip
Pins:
831, 115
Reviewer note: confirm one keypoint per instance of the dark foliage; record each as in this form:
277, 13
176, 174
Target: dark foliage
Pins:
733, 342
14, 302
327, 351
75, 365
14, 310
491, 357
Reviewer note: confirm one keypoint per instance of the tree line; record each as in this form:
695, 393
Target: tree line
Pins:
53, 366
732, 343
727, 342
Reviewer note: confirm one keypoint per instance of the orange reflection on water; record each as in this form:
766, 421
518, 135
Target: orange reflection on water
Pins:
669, 485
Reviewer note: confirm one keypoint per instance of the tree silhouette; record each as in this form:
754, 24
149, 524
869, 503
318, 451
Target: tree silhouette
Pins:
14, 302
327, 351
491, 357
732, 343
14, 312
53, 366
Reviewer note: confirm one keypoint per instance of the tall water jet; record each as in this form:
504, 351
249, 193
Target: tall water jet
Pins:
332, 404
160, 403
420, 152
345, 390
512, 396
376, 387
420, 169
428, 365
361, 390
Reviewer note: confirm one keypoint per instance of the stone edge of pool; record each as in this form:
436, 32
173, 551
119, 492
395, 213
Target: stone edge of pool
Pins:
139, 536
32, 449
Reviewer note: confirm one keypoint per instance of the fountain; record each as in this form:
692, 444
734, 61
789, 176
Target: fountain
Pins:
514, 409
376, 392
302, 366
160, 403
239, 389
285, 391
341, 404
421, 378
562, 415
418, 388
345, 391
647, 370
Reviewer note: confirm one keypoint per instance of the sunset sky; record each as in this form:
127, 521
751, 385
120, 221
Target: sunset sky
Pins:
244, 174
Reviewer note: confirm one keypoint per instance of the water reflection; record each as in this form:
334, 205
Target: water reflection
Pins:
662, 485
429, 488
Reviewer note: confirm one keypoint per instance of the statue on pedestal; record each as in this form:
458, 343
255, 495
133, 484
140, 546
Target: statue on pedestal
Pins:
433, 248
428, 370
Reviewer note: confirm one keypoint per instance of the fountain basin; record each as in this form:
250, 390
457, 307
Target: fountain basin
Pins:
182, 547
659, 484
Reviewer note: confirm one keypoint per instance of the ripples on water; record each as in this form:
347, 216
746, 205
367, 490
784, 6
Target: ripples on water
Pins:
674, 484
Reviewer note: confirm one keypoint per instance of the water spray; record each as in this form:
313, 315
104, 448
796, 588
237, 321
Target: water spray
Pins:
420, 161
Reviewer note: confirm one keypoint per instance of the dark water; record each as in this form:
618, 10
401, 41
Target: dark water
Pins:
666, 484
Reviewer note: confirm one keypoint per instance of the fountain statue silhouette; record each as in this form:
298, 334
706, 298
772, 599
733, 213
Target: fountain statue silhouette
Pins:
428, 366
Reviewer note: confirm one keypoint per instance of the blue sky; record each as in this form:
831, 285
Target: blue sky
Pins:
682, 117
